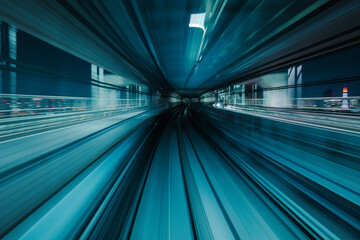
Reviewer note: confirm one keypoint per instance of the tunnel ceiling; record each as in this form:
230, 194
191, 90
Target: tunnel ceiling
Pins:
154, 41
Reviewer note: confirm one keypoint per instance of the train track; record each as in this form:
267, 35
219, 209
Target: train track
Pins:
188, 174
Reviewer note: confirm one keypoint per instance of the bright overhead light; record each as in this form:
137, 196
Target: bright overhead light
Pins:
197, 20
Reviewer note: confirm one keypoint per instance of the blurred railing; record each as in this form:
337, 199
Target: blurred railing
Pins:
27, 113
15, 105
329, 103
335, 104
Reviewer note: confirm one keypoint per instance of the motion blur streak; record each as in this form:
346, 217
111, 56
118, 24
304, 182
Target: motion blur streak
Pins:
229, 175
179, 119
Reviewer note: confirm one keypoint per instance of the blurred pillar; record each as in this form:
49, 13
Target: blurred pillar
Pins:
127, 96
94, 89
1, 58
101, 97
102, 91
1, 90
299, 102
8, 59
291, 85
243, 95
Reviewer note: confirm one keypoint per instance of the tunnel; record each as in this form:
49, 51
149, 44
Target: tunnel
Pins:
179, 119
